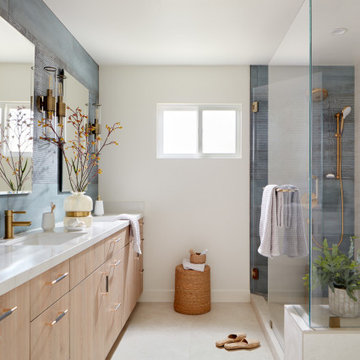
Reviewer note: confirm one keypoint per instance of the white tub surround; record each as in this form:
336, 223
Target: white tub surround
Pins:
305, 343
20, 263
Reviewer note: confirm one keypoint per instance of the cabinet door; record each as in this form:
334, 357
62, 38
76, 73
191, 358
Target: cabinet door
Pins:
139, 272
129, 276
133, 279
15, 324
50, 332
115, 303
88, 302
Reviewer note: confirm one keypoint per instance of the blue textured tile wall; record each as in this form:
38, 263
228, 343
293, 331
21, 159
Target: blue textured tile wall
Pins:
57, 47
339, 81
258, 170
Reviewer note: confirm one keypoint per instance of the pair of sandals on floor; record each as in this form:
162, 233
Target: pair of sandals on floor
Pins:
237, 341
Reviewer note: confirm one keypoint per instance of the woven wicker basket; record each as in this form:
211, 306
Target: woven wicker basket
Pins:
198, 258
192, 291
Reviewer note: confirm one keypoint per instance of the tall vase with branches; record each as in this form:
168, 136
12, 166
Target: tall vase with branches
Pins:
16, 137
81, 156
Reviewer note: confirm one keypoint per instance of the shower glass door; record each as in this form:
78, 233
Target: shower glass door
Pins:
335, 159
289, 146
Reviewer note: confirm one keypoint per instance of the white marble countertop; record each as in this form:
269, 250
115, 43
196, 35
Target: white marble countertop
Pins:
20, 263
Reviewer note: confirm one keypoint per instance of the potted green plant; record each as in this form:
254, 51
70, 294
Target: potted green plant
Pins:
341, 274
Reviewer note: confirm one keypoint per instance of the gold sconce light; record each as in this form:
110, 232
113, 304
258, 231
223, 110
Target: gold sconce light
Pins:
96, 126
49, 104
60, 105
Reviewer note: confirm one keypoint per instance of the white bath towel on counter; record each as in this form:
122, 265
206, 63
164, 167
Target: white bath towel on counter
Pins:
134, 228
269, 240
291, 227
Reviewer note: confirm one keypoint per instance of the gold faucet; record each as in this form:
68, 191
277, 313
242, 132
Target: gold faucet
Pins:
10, 223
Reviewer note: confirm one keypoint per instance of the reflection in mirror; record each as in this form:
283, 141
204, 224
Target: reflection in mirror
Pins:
16, 112
76, 95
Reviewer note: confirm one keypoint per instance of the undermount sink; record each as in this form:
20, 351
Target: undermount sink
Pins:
43, 239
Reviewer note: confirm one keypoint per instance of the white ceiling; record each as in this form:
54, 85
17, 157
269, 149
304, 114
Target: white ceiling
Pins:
15, 48
336, 50
178, 32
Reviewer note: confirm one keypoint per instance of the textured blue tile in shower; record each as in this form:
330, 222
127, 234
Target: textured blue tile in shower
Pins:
339, 81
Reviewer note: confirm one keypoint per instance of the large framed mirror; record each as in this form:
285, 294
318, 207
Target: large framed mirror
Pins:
16, 111
76, 95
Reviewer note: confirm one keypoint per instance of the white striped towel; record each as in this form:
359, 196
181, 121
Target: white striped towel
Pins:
269, 240
134, 228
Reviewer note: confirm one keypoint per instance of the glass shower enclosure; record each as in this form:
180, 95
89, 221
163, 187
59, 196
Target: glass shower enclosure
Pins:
303, 133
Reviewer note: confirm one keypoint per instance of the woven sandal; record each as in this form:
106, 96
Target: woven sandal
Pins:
231, 339
243, 344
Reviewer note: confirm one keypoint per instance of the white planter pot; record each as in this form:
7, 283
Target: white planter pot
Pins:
78, 207
342, 305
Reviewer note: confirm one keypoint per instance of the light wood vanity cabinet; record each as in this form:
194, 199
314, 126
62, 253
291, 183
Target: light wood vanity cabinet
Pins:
88, 302
15, 324
75, 310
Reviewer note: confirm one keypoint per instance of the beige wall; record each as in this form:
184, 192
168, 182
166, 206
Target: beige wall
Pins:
187, 203
15, 82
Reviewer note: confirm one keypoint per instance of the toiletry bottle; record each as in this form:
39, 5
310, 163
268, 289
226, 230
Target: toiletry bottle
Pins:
99, 207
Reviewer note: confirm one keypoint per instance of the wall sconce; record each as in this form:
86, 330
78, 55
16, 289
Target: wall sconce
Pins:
47, 103
60, 105
97, 121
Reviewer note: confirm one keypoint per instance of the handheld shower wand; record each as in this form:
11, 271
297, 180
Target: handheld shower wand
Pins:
340, 121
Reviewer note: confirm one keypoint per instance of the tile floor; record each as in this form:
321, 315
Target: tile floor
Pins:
156, 332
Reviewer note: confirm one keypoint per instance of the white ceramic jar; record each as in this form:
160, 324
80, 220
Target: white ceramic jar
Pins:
78, 206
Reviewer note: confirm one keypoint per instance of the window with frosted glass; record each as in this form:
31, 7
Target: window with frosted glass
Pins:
199, 131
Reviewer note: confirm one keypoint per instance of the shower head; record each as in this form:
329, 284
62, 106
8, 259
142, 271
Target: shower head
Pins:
346, 111
319, 94
344, 114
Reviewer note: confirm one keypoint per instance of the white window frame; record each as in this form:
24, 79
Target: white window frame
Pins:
199, 108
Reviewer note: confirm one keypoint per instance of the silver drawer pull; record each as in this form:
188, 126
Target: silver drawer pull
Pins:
117, 307
116, 263
117, 240
59, 317
8, 313
61, 277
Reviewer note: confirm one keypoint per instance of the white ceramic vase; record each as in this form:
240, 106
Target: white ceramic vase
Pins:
342, 305
78, 206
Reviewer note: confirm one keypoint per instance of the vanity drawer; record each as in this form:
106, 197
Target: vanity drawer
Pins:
115, 243
83, 264
15, 324
50, 332
48, 287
